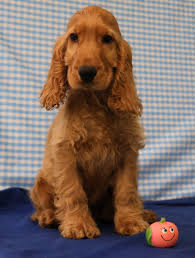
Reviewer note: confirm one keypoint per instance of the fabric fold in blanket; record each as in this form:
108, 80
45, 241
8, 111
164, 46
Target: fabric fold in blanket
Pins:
21, 238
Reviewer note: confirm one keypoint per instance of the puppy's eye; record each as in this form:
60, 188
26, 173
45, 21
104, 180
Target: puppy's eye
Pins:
107, 39
74, 37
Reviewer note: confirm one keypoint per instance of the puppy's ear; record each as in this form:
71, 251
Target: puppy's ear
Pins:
55, 87
124, 95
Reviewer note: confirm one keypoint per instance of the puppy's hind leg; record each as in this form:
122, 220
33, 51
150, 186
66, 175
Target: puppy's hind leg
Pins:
42, 197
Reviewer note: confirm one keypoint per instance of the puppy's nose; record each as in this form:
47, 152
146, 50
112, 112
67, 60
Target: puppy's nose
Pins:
87, 73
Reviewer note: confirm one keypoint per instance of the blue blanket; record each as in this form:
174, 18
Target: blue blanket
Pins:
21, 238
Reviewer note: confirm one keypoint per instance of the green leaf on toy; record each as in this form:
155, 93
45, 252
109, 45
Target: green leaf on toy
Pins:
162, 220
149, 236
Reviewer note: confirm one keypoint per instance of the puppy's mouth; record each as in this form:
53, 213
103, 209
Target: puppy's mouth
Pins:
88, 85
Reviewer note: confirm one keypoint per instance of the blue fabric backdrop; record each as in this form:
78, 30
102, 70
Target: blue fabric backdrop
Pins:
162, 36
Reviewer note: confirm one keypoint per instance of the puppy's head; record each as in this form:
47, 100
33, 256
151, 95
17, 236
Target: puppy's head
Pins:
92, 55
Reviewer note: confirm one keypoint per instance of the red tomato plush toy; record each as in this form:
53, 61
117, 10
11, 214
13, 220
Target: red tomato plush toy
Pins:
162, 234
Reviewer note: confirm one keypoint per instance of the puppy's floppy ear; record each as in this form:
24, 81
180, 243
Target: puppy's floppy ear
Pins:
124, 95
55, 87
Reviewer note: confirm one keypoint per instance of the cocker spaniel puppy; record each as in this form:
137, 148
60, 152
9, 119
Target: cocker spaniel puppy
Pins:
90, 165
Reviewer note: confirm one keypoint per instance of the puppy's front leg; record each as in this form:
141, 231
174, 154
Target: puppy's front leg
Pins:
128, 217
71, 202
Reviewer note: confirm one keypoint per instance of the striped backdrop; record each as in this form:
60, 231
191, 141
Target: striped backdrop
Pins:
162, 36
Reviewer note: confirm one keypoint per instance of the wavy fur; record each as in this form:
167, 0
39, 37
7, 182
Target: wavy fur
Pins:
90, 164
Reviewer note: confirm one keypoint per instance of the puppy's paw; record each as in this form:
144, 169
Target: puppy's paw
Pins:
77, 229
149, 216
45, 218
131, 227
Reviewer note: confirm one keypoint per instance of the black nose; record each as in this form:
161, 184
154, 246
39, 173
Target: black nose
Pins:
87, 73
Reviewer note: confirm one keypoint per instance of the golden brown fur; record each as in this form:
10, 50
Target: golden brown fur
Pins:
90, 164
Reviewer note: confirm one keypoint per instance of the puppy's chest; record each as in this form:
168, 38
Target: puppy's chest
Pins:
95, 140
94, 130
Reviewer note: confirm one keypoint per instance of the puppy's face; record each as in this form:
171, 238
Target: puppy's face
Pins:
92, 55
91, 50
